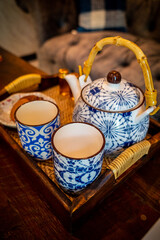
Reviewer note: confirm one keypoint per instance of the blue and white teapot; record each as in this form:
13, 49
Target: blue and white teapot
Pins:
114, 105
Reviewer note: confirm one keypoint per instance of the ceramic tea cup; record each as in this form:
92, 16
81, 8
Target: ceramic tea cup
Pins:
36, 121
78, 150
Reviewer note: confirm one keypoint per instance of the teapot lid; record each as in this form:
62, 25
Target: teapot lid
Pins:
112, 94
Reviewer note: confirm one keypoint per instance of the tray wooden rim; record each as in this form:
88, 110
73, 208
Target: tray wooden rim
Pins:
89, 198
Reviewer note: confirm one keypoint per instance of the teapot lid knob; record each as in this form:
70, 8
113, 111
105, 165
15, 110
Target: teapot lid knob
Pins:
114, 77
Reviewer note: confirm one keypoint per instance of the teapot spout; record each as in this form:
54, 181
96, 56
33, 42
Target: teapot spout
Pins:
76, 84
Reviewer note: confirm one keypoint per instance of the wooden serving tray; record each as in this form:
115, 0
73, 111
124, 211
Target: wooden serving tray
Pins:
69, 208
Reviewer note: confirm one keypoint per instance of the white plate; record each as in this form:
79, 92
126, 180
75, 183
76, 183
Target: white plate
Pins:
7, 104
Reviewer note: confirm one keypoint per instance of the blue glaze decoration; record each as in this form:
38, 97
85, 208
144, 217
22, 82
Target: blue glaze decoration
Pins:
36, 140
73, 174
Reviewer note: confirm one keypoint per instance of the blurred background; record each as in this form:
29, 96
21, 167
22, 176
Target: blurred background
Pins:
18, 33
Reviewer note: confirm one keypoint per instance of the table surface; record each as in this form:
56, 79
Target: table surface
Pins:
128, 213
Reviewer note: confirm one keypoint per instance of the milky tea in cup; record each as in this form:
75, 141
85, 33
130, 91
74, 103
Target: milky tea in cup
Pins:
36, 121
78, 150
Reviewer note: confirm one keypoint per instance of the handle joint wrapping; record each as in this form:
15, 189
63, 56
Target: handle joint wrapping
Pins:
130, 156
23, 82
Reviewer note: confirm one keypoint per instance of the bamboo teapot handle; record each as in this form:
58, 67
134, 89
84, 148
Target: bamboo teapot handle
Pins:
150, 92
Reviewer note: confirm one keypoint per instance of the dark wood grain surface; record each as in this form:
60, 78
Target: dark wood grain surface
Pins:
128, 213
12, 67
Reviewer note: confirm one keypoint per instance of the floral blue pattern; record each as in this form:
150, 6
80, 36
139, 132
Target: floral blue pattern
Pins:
74, 175
119, 129
36, 140
100, 97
